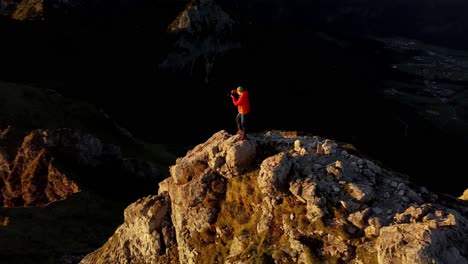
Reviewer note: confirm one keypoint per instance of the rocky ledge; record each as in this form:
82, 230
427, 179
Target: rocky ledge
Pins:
281, 197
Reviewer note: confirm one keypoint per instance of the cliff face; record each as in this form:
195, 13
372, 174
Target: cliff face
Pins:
66, 169
41, 166
280, 197
29, 176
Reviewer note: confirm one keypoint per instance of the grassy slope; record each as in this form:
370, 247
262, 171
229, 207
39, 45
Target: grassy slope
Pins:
73, 226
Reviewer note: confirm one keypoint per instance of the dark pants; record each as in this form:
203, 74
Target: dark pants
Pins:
241, 120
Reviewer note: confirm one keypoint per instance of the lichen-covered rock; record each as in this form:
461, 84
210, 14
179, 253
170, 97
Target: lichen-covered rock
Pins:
292, 204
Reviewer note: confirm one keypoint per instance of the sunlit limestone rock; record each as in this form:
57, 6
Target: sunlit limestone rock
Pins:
282, 201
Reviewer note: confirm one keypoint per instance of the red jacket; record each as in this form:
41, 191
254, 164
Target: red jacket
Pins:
243, 104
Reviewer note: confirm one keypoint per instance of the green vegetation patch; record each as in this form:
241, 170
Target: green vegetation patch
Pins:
74, 226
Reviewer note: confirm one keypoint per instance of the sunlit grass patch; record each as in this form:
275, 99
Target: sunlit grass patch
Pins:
242, 200
238, 217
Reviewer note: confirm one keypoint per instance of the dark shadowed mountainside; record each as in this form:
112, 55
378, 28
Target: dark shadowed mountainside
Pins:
310, 66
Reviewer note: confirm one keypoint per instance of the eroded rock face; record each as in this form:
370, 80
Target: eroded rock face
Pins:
33, 164
42, 9
203, 32
307, 199
29, 176
146, 236
22, 10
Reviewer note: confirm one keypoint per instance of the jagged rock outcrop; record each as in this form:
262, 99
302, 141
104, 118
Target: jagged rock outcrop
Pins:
40, 9
28, 175
147, 235
35, 10
464, 196
202, 33
33, 165
22, 10
285, 198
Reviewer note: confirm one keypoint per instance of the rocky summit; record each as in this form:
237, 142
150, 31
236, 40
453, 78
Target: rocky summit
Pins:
284, 197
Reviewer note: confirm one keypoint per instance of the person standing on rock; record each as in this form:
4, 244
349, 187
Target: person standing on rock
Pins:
243, 109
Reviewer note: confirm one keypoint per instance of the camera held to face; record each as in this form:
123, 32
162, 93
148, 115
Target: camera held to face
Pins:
233, 92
